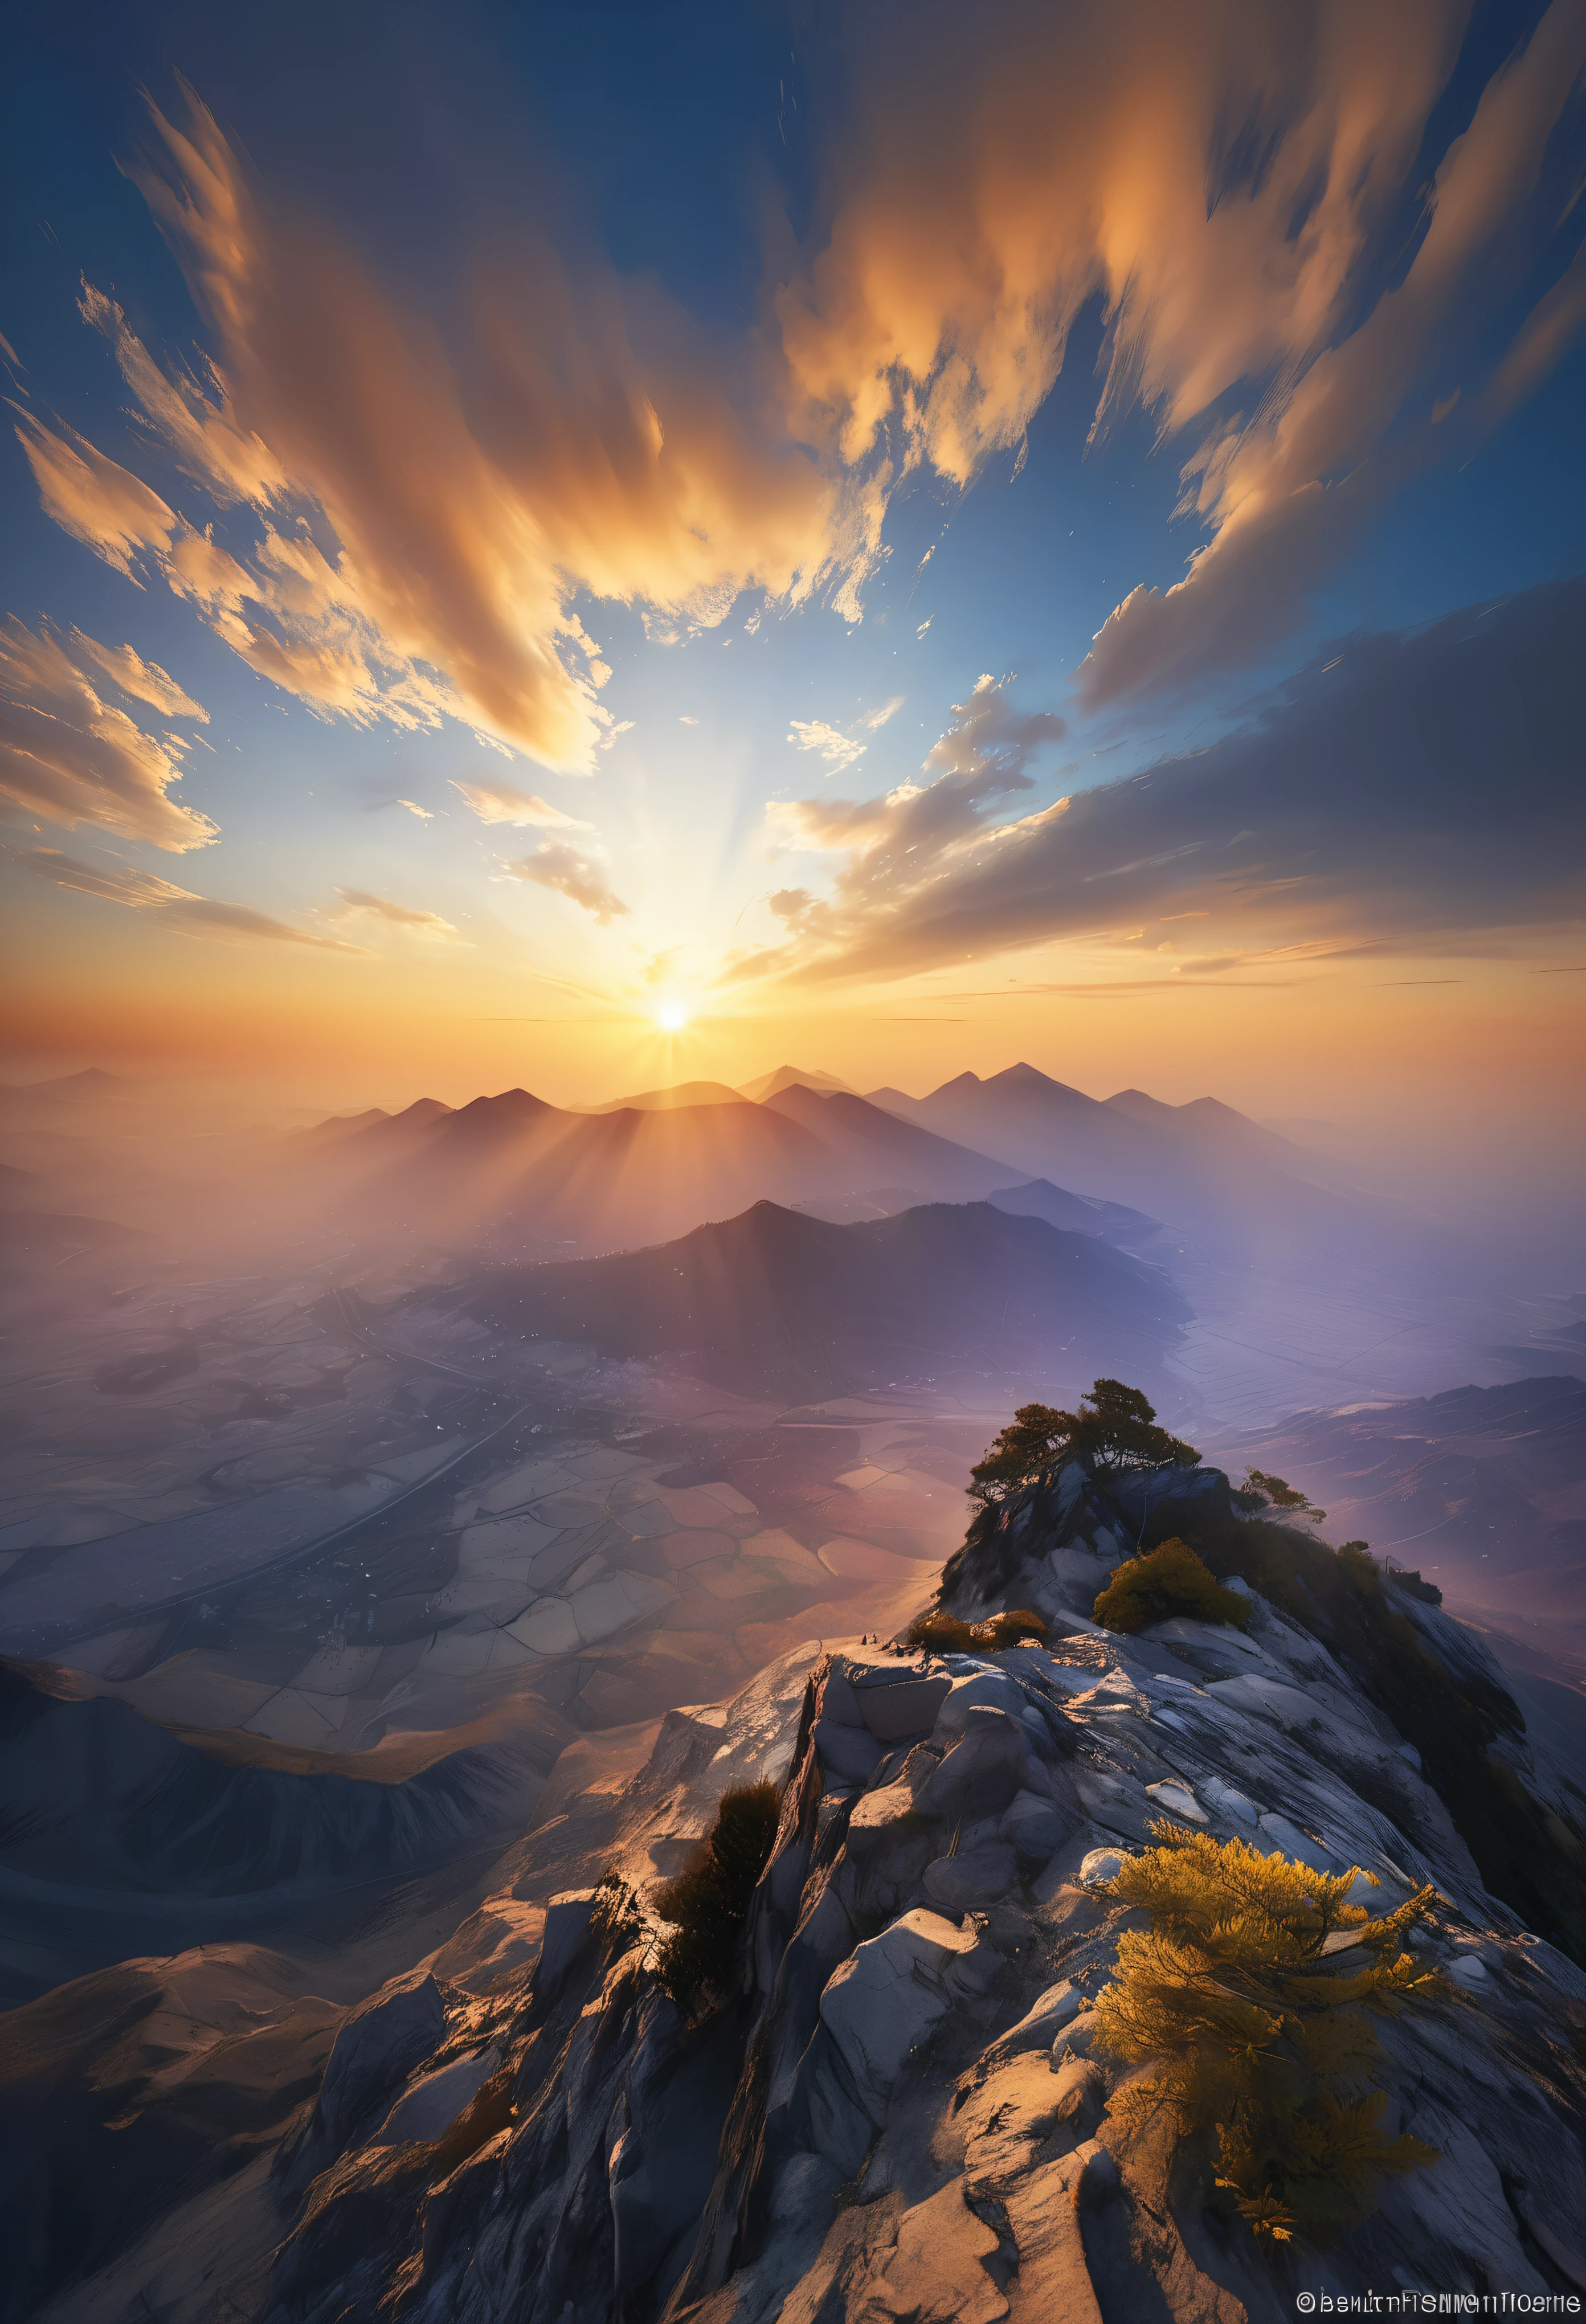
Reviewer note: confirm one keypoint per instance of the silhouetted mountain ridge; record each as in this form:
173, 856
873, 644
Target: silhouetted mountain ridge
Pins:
794, 1306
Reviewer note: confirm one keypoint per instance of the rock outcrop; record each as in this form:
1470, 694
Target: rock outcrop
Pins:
897, 2113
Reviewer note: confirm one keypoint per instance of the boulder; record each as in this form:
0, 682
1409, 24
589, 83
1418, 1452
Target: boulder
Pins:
891, 1993
1117, 1803
936, 2271
977, 1877
377, 2048
839, 1702
432, 2103
1004, 2118
991, 1689
1040, 2026
887, 1848
1036, 1827
1101, 1864
897, 1706
1178, 1798
849, 1755
981, 1773
1223, 1799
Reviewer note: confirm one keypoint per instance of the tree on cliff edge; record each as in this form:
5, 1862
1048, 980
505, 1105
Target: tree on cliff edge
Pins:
1114, 1432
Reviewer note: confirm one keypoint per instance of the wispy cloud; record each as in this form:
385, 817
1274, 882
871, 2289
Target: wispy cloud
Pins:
875, 719
144, 681
1237, 183
470, 488
357, 903
504, 803
178, 908
580, 877
69, 755
415, 507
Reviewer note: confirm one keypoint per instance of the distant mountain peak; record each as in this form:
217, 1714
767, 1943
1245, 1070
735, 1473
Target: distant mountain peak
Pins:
92, 1082
789, 1077
680, 1094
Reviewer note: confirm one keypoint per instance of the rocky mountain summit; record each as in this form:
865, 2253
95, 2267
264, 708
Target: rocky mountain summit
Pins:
898, 2109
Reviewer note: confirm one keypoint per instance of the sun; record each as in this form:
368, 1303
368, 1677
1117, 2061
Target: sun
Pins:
671, 1016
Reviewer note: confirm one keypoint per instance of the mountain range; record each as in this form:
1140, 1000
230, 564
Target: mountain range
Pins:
779, 1303
548, 1179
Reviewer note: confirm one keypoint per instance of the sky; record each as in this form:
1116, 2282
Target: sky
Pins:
594, 546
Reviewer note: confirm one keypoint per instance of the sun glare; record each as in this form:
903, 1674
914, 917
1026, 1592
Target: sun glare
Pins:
671, 1016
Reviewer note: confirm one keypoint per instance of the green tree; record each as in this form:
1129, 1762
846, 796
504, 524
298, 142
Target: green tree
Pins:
1113, 1433
1261, 1488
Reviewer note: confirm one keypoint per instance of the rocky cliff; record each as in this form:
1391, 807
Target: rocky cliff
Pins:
899, 2113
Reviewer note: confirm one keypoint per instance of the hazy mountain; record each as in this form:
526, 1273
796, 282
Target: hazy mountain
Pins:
866, 1135
345, 1125
680, 1094
1038, 1125
1484, 1488
771, 1084
780, 1302
513, 1165
92, 1082
1039, 1199
1237, 1193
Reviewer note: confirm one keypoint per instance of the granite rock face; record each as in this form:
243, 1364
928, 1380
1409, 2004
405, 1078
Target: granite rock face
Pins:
895, 2114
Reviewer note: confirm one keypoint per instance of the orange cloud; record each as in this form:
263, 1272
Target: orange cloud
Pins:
145, 681
470, 489
73, 758
1222, 176
494, 802
1233, 180
357, 903
572, 874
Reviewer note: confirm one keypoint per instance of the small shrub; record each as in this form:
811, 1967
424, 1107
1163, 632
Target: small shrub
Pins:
1010, 1628
945, 1633
707, 1902
1524, 1853
1164, 1581
1264, 2041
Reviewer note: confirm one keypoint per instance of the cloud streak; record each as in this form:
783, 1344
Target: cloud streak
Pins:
562, 438
178, 908
415, 512
494, 802
1419, 790
358, 903
1235, 182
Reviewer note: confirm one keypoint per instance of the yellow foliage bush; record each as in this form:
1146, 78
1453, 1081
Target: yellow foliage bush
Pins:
1163, 1581
945, 1633
1262, 2031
